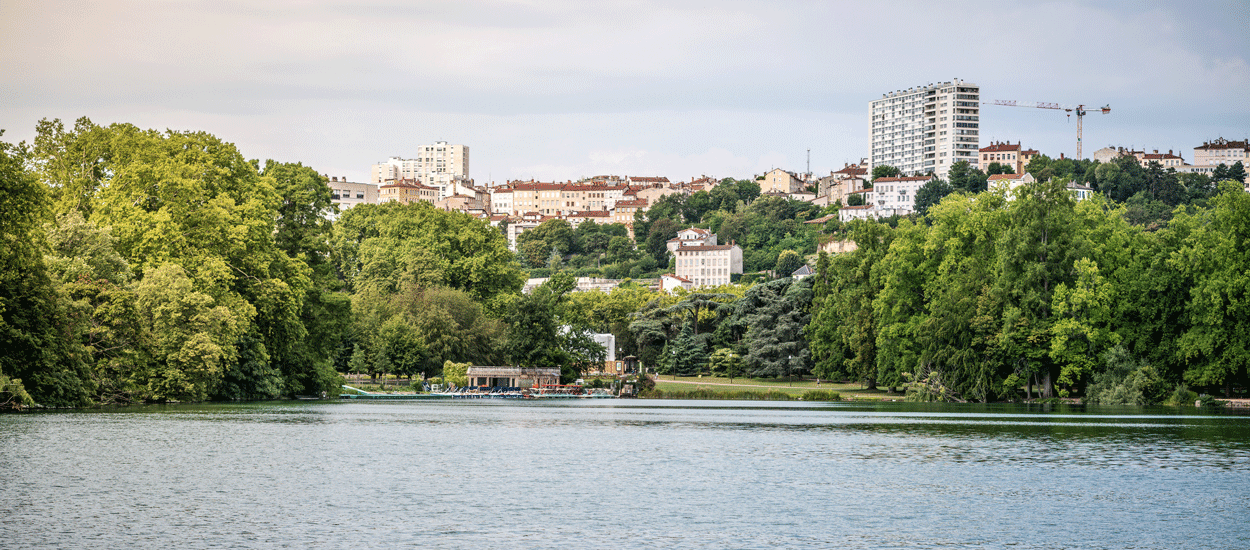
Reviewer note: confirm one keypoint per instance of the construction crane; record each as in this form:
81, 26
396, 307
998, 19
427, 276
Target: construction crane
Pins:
1080, 113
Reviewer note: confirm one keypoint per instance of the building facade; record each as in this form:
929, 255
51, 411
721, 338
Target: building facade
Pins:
1222, 151
926, 129
439, 165
1013, 156
406, 191
345, 194
897, 195
781, 181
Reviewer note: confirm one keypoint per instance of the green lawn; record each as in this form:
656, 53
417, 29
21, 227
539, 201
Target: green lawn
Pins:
795, 387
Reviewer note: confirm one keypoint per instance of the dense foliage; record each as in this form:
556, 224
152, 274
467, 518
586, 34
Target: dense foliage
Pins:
993, 296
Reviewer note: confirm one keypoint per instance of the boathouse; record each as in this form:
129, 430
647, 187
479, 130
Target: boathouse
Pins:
513, 377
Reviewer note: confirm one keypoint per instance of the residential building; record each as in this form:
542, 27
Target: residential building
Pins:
861, 212
926, 129
1080, 192
1011, 155
701, 261
501, 200
406, 191
670, 283
345, 194
1166, 160
439, 165
1010, 181
708, 264
1222, 151
624, 213
600, 217
781, 181
690, 237
641, 181
852, 177
652, 194
896, 195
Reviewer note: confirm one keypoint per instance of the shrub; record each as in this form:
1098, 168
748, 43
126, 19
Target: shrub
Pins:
821, 395
1125, 381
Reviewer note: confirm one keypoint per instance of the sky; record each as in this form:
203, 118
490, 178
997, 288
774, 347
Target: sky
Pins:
557, 90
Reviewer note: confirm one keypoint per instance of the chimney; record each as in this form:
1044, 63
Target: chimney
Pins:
334, 178
1060, 156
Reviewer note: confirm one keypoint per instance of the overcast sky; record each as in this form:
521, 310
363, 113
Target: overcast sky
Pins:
557, 90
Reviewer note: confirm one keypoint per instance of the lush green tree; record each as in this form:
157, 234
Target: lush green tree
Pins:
775, 342
1036, 254
94, 281
40, 362
884, 171
662, 230
193, 335
1215, 345
696, 206
996, 168
1125, 380
555, 235
788, 262
190, 199
901, 305
388, 245
931, 193
456, 374
1082, 328
1237, 172
534, 337
724, 362
688, 354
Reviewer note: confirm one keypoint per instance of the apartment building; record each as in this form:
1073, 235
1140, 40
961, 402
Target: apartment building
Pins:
852, 177
701, 261
1011, 155
440, 165
896, 196
1222, 151
406, 191
346, 194
623, 213
1166, 160
781, 181
926, 129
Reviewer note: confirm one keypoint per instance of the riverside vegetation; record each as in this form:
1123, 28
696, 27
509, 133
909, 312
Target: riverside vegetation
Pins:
146, 266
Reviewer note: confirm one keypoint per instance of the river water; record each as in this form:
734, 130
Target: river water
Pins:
624, 474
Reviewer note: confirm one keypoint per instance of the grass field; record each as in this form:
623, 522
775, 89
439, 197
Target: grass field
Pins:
796, 387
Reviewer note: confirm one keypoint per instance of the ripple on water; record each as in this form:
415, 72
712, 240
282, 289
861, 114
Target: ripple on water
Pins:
622, 474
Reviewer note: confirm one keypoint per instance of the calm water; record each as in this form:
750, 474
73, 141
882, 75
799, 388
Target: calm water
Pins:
624, 474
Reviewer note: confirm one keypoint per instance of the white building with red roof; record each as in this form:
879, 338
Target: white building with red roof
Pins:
703, 262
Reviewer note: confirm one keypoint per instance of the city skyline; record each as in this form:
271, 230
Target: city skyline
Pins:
557, 91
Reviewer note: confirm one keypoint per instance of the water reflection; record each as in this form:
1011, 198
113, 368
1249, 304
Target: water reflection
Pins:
645, 474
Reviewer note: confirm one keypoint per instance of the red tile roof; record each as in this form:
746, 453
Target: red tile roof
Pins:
903, 178
1000, 147
998, 177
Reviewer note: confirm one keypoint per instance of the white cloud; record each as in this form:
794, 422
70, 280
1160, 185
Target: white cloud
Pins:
562, 89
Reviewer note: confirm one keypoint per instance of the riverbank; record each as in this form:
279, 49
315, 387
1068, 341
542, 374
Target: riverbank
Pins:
694, 387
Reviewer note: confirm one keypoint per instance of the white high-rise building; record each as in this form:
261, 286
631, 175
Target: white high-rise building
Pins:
439, 165
926, 128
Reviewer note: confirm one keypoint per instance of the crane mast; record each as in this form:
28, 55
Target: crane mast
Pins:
1078, 109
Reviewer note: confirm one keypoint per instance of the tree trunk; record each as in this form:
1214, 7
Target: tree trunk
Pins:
1048, 387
